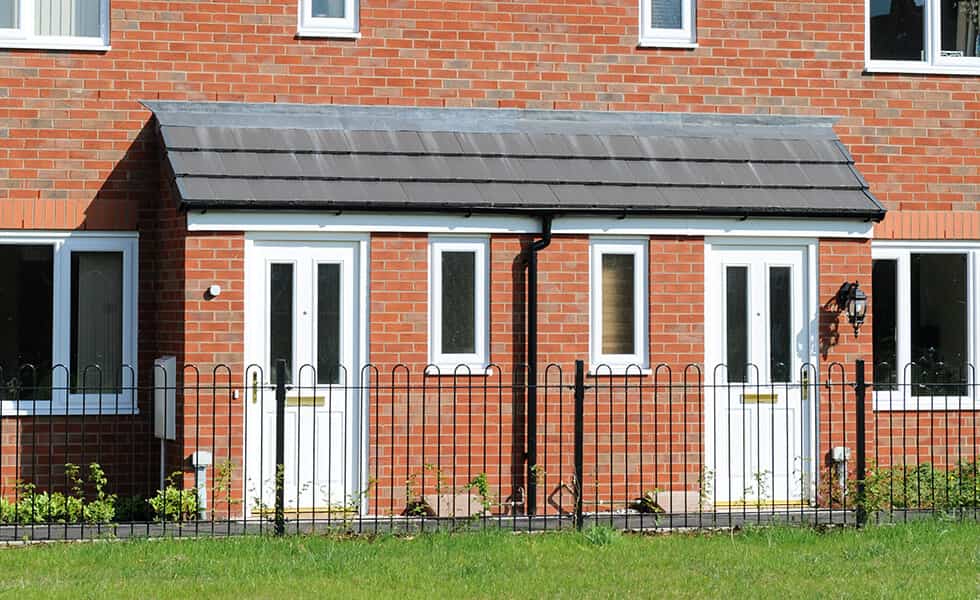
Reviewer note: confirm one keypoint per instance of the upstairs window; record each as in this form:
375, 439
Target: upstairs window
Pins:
923, 35
328, 18
458, 305
55, 24
618, 303
667, 23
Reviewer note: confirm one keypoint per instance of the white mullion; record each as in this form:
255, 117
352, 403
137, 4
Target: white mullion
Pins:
931, 37
26, 18
903, 316
640, 327
61, 325
435, 303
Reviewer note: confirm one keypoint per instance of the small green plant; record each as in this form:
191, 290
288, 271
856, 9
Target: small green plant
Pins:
37, 507
173, 504
224, 473
920, 486
762, 483
33, 507
599, 535
539, 474
415, 505
481, 484
103, 508
706, 481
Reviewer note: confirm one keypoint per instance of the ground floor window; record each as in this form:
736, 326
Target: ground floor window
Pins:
68, 312
618, 304
924, 321
459, 299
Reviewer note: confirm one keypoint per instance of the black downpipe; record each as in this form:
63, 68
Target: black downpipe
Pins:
532, 363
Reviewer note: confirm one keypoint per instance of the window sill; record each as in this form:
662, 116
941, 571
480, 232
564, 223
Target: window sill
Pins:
618, 371
39, 44
902, 404
42, 408
340, 34
458, 370
897, 67
676, 44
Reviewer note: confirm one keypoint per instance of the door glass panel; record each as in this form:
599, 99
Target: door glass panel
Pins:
897, 28
666, 14
96, 313
618, 314
736, 322
780, 324
26, 315
330, 9
328, 324
884, 317
960, 35
939, 323
280, 318
458, 302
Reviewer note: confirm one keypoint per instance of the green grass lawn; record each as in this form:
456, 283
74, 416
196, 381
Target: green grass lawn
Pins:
934, 559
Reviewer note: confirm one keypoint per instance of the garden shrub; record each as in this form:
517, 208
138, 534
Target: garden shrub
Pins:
922, 486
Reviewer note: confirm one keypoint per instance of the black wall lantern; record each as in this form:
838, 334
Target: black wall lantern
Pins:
852, 300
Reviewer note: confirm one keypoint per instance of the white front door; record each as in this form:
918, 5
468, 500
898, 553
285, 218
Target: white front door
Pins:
758, 374
302, 306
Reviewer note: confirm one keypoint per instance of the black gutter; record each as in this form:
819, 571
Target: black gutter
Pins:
532, 363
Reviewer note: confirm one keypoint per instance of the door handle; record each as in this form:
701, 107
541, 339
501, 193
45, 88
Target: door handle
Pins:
255, 387
805, 383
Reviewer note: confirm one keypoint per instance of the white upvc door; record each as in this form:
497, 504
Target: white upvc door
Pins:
759, 377
302, 306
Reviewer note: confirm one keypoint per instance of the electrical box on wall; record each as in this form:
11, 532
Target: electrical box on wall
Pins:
165, 397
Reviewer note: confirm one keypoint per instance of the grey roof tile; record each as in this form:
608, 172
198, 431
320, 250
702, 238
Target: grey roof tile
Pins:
227, 155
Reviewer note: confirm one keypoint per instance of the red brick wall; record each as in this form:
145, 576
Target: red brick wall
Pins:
75, 151
638, 437
841, 261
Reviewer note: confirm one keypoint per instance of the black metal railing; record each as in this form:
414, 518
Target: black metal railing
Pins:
235, 450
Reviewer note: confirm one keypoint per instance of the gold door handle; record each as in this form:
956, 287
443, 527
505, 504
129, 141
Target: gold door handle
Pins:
255, 387
805, 383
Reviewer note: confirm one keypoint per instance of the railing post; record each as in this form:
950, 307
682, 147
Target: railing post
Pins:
579, 439
280, 446
860, 391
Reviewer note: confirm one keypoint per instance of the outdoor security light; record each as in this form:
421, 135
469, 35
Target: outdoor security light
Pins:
852, 300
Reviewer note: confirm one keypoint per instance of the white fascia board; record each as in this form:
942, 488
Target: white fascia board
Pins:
63, 234
353, 222
715, 226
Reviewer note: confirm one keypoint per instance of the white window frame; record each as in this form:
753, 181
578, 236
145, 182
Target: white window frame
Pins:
932, 61
24, 36
684, 37
637, 362
446, 363
347, 27
64, 402
902, 398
